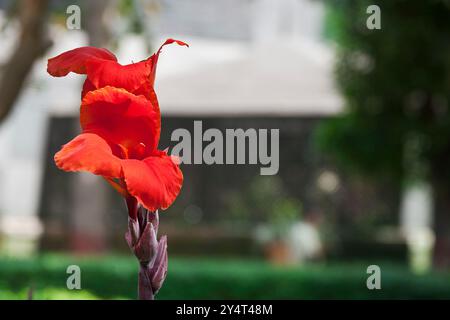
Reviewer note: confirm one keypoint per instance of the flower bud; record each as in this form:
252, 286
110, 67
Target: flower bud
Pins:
145, 248
159, 269
132, 235
153, 217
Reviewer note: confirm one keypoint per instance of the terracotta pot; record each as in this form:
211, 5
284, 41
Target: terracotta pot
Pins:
277, 252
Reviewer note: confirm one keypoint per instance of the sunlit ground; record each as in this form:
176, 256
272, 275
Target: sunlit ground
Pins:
114, 277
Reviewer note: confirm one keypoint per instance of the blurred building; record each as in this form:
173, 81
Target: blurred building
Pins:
251, 64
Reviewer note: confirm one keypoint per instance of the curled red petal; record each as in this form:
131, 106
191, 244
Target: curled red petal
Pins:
88, 152
122, 119
154, 57
75, 60
137, 78
155, 181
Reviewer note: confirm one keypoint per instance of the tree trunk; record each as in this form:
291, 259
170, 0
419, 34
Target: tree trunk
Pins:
32, 43
97, 24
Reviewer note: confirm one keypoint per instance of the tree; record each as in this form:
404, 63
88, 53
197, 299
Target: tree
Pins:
396, 84
32, 43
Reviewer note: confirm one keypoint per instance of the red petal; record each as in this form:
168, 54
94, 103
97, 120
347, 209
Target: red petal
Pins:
117, 186
88, 152
155, 57
155, 181
115, 75
87, 86
121, 118
137, 78
75, 60
132, 77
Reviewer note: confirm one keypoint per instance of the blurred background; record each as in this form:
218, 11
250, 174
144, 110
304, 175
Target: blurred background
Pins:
364, 147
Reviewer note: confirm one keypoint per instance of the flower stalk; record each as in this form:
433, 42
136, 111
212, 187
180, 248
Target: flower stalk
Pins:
151, 253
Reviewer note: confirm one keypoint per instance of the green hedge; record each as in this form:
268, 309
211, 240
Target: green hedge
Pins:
189, 278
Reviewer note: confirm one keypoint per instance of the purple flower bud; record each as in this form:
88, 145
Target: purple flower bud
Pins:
141, 237
145, 248
153, 217
142, 215
132, 233
159, 269
144, 286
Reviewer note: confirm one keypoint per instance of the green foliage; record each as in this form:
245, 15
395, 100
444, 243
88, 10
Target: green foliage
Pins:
396, 84
115, 278
127, 9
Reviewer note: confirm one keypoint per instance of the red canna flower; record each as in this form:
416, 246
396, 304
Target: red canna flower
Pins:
120, 121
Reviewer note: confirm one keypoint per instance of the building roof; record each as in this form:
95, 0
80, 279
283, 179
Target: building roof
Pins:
224, 78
